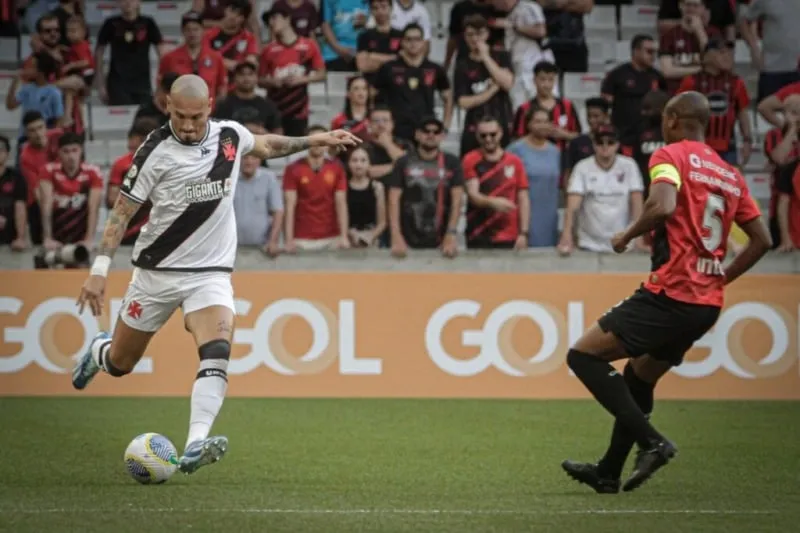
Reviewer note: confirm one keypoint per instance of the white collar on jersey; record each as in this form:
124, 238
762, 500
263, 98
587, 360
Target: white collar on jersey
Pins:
201, 141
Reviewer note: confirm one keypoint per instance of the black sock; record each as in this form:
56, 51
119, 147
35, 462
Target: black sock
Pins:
613, 461
609, 388
105, 361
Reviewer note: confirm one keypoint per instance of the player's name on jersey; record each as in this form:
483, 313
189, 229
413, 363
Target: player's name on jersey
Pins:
206, 191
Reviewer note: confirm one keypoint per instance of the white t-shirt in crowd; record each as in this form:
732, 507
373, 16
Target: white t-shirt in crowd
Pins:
402, 17
605, 210
525, 52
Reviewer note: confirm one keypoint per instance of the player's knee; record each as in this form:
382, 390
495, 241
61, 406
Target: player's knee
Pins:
577, 357
216, 349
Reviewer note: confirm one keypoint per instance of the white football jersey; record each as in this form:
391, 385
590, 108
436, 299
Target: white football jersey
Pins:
191, 227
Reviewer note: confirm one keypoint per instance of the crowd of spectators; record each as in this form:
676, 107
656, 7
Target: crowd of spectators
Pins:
524, 155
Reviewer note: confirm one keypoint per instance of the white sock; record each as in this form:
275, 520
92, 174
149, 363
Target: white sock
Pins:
100, 351
207, 396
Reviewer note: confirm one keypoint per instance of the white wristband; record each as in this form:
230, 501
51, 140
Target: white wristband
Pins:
100, 266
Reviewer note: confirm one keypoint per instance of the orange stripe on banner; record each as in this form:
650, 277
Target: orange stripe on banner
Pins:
441, 335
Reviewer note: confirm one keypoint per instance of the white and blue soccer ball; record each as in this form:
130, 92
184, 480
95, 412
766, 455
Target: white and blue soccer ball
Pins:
151, 458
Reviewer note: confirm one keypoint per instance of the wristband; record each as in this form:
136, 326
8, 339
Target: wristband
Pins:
100, 266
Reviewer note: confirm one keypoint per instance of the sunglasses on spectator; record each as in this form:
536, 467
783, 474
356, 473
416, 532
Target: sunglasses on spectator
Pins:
488, 135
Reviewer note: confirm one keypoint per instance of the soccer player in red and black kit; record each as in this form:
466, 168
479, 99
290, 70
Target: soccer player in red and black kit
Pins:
728, 98
695, 198
498, 212
287, 65
70, 196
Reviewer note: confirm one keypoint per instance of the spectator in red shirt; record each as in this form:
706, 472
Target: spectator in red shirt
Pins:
355, 117
195, 57
680, 47
315, 190
40, 149
232, 39
287, 66
139, 131
70, 192
771, 106
728, 100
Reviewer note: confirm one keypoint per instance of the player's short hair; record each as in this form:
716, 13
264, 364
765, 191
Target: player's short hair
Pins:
598, 102
411, 27
70, 138
142, 127
5, 142
242, 7
545, 67
45, 63
476, 22
31, 116
639, 39
317, 128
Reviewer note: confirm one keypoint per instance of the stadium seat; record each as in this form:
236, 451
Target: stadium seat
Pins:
444, 15
759, 184
582, 86
601, 23
167, 14
9, 52
96, 153
111, 122
601, 53
6, 77
336, 84
623, 51
99, 10
10, 121
438, 50
116, 149
638, 19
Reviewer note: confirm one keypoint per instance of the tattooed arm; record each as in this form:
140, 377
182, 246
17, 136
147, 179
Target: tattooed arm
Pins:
116, 224
271, 146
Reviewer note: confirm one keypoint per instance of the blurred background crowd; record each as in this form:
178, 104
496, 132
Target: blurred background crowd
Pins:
486, 123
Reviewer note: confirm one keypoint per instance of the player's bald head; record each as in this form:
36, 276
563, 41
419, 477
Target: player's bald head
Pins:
691, 107
189, 86
189, 106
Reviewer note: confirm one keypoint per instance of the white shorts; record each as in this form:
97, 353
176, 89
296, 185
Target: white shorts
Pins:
153, 296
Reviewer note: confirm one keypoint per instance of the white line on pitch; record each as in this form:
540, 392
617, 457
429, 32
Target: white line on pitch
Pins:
399, 511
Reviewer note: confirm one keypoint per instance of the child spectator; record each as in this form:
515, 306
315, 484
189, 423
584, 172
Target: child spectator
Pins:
366, 202
78, 61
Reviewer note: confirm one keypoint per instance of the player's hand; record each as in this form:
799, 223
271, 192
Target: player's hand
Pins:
19, 245
450, 246
399, 248
92, 293
619, 242
51, 244
521, 243
502, 205
339, 139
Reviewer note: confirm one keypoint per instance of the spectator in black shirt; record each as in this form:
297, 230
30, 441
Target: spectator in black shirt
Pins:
425, 194
380, 44
130, 36
581, 147
408, 84
13, 199
244, 105
482, 81
566, 33
648, 136
456, 45
384, 148
626, 85
156, 107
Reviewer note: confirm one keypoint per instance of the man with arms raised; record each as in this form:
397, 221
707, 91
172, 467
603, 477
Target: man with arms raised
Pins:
695, 198
184, 256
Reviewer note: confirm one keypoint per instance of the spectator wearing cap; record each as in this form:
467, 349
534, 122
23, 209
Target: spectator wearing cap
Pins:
139, 131
315, 196
581, 147
541, 159
498, 211
342, 23
40, 149
157, 106
384, 148
776, 55
303, 13
379, 44
482, 82
258, 205
232, 39
604, 194
13, 199
426, 190
130, 35
70, 192
243, 104
626, 84
288, 64
408, 85
196, 57
728, 101
38, 94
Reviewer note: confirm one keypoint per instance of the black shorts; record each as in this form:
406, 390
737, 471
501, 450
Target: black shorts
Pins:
657, 325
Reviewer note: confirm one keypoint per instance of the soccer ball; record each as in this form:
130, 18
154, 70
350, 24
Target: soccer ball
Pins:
151, 458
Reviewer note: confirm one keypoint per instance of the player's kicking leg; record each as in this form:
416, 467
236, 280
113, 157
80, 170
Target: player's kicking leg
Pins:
212, 329
640, 375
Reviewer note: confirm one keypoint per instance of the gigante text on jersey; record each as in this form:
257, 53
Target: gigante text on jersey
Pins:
207, 191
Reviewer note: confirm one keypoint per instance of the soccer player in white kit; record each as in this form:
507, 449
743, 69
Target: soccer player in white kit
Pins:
185, 253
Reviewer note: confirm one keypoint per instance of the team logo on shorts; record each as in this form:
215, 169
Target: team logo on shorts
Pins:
135, 310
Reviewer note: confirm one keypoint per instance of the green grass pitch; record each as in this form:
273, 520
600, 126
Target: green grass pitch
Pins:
394, 466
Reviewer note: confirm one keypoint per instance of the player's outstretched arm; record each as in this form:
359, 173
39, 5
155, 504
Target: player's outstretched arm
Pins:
758, 244
272, 146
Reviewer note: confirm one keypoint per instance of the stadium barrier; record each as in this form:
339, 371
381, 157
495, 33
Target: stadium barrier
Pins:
443, 335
